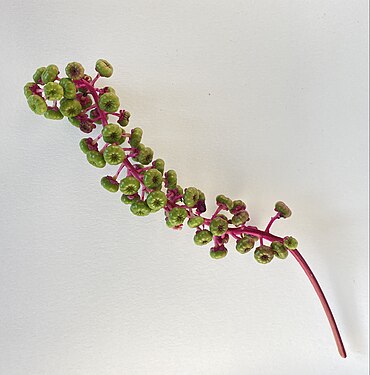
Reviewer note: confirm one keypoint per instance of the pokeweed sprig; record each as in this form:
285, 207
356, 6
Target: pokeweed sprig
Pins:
144, 183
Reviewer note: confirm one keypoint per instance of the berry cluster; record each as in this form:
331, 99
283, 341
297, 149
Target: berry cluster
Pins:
146, 186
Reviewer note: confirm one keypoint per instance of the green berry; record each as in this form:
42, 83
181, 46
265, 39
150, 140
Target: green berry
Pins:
124, 120
218, 252
112, 133
74, 121
109, 102
227, 203
203, 237
140, 208
191, 196
49, 74
114, 155
171, 179
263, 254
104, 68
145, 156
238, 205
279, 250
152, 179
75, 70
37, 75
69, 88
179, 189
177, 215
27, 89
37, 104
283, 209
218, 226
195, 221
159, 165
53, 91
109, 183
135, 138
245, 244
70, 107
129, 199
156, 200
96, 159
169, 223
129, 185
84, 145
53, 114
290, 243
240, 218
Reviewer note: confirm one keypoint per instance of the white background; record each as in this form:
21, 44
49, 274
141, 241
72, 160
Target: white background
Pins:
259, 100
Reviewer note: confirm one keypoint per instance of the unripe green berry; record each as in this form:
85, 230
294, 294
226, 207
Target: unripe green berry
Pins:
245, 244
290, 243
84, 145
74, 121
49, 74
114, 155
129, 185
140, 208
135, 138
177, 215
37, 75
226, 202
96, 159
70, 107
69, 88
191, 196
156, 200
179, 190
171, 179
109, 102
152, 179
240, 218
279, 250
75, 70
283, 209
53, 114
112, 133
129, 199
53, 91
145, 156
27, 89
109, 183
238, 205
37, 104
104, 68
159, 165
263, 254
203, 237
195, 221
218, 226
218, 252
124, 120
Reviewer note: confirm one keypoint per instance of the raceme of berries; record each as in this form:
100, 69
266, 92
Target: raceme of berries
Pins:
144, 184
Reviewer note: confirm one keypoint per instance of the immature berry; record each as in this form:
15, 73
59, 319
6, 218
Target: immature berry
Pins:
177, 215
135, 138
203, 237
245, 244
104, 68
27, 89
112, 133
37, 75
140, 208
86, 145
191, 196
225, 202
109, 102
218, 226
283, 209
290, 243
240, 218
124, 118
75, 121
159, 165
218, 252
53, 91
109, 183
279, 250
263, 254
156, 200
129, 185
179, 190
152, 179
238, 205
69, 88
49, 74
195, 221
171, 179
53, 114
145, 156
129, 199
37, 104
70, 107
114, 155
96, 159
75, 70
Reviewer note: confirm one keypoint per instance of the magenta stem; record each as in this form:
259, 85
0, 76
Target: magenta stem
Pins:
277, 216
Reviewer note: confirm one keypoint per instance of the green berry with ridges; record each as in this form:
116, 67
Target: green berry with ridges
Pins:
74, 121
112, 133
279, 250
140, 208
124, 120
195, 221
53, 114
70, 107
96, 159
238, 205
218, 252
37, 104
218, 226
245, 244
156, 200
135, 138
240, 218
152, 179
84, 145
109, 102
69, 88
104, 68
129, 199
129, 185
37, 75
114, 155
49, 74
290, 243
27, 89
145, 156
110, 184
203, 237
177, 215
191, 196
159, 165
53, 91
263, 254
283, 209
75, 70
224, 201
171, 179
